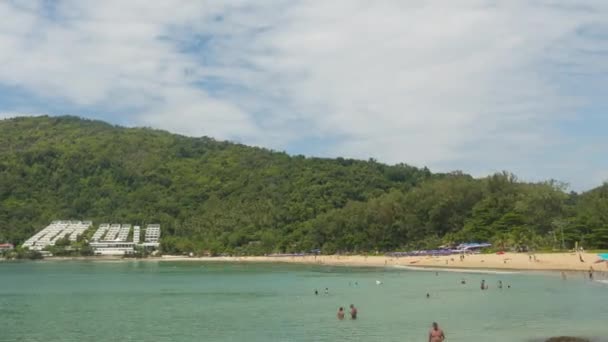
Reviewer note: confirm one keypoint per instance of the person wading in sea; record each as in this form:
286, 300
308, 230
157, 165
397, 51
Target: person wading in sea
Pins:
436, 334
340, 313
353, 312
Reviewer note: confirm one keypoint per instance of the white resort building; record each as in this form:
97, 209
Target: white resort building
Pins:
55, 231
152, 236
108, 239
116, 239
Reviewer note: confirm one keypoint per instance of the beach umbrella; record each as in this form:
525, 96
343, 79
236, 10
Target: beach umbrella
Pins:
603, 258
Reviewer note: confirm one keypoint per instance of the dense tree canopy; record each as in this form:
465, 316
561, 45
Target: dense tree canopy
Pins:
224, 197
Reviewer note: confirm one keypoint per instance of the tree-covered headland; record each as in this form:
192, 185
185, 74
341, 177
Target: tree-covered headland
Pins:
220, 197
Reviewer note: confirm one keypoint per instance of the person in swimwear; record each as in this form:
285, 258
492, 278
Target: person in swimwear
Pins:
353, 312
436, 334
340, 313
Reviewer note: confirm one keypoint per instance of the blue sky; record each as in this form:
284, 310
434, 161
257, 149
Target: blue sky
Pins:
471, 85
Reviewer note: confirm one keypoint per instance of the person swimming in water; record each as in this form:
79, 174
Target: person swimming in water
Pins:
436, 334
428, 295
316, 292
353, 312
340, 313
326, 291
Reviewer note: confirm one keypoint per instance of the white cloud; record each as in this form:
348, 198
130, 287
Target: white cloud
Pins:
476, 85
10, 115
113, 55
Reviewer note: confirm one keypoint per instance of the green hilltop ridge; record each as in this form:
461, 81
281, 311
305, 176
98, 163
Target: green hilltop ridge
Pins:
214, 196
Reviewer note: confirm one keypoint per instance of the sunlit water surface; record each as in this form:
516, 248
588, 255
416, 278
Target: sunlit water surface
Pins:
171, 301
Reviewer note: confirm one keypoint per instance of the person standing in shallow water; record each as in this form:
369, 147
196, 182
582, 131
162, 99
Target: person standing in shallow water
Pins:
340, 313
353, 312
436, 334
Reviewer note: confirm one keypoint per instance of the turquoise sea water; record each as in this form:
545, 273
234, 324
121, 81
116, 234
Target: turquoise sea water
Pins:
171, 301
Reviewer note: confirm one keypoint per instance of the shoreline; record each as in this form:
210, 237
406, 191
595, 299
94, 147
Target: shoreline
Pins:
566, 262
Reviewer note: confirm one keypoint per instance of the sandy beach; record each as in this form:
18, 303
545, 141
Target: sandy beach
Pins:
508, 261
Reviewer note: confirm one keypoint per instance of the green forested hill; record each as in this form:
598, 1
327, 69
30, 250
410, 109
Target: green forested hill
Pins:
225, 197
224, 194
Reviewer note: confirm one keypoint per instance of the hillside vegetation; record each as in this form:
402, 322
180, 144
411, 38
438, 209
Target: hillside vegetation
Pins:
224, 197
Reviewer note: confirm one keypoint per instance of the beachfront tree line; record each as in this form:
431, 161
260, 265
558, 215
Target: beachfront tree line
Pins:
220, 197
